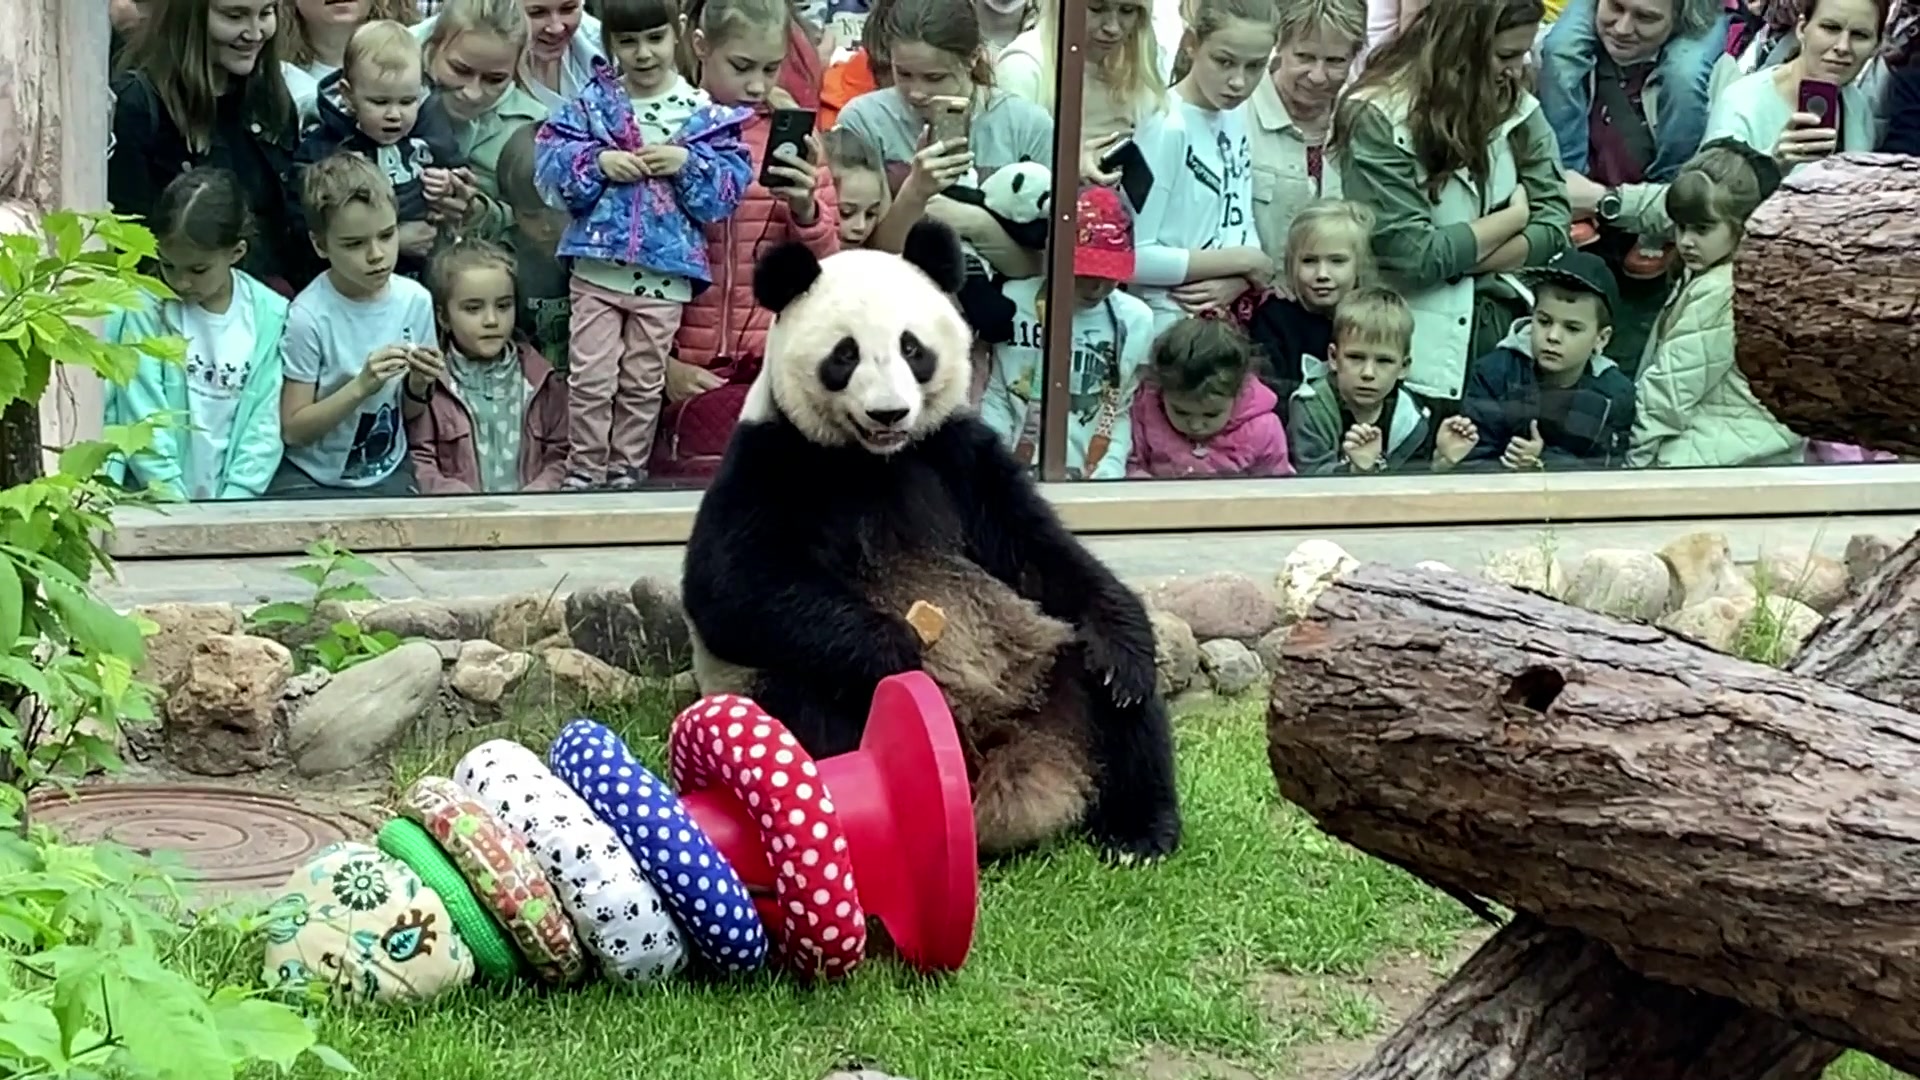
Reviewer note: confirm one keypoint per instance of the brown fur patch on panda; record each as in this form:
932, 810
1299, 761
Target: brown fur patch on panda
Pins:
1022, 723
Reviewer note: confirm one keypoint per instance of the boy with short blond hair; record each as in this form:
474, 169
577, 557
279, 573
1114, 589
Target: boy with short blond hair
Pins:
377, 106
359, 354
1359, 416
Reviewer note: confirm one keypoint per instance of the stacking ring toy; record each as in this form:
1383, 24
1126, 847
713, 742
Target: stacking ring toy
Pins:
727, 741
616, 912
706, 897
504, 875
493, 954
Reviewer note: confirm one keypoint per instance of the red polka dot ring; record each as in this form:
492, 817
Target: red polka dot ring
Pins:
884, 832
727, 741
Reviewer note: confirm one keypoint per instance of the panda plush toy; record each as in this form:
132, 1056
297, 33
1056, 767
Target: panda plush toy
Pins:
858, 463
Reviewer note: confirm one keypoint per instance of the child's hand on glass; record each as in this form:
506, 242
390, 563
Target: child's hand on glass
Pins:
382, 365
1362, 446
1455, 440
1805, 139
1523, 451
622, 167
662, 159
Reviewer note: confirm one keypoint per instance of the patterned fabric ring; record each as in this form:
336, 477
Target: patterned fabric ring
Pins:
617, 913
504, 875
731, 742
493, 954
366, 927
707, 898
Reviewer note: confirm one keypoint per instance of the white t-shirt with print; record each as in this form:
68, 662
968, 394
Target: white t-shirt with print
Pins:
1202, 196
219, 355
660, 117
327, 342
1111, 341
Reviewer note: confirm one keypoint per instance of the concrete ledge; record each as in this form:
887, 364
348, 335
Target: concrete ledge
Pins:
614, 520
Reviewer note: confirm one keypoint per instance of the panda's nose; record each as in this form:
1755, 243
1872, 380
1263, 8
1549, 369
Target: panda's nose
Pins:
886, 417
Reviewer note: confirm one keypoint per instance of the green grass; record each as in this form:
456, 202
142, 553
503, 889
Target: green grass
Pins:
1078, 969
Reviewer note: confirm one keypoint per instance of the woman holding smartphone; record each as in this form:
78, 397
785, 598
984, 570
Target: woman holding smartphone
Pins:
1788, 110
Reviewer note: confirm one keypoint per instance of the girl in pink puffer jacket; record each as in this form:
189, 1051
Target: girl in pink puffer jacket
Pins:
1204, 411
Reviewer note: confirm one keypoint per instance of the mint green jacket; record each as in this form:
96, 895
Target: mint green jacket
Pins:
253, 453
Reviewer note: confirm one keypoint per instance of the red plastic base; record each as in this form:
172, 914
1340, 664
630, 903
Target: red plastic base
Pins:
904, 801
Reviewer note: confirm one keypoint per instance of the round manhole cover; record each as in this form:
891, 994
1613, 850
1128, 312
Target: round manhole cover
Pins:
233, 840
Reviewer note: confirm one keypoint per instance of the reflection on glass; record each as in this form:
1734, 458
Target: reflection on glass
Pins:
562, 299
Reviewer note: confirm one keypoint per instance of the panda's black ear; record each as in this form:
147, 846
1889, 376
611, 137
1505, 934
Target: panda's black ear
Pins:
783, 275
935, 249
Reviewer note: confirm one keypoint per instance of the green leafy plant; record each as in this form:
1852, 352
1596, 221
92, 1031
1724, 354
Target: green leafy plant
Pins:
91, 979
338, 577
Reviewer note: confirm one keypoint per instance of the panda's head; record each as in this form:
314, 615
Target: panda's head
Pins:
1020, 192
867, 348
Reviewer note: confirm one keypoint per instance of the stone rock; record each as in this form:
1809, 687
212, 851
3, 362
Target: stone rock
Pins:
1728, 624
1534, 568
1815, 580
1865, 553
433, 620
1217, 605
448, 648
364, 710
1176, 655
1433, 566
1702, 566
223, 716
583, 678
1307, 572
181, 629
668, 642
638, 629
1268, 648
1622, 582
1234, 667
520, 621
484, 672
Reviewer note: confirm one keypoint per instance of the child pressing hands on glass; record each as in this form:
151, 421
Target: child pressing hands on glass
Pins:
1360, 416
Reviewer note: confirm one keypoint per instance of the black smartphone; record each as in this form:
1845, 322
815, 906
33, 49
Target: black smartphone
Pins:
790, 130
1136, 176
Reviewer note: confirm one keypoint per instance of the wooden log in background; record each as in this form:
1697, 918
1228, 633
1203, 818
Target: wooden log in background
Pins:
1723, 826
1826, 286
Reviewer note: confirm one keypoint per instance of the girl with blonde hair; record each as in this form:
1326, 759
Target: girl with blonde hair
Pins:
1123, 69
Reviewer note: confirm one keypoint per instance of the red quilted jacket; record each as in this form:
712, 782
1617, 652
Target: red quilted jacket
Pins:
723, 330
723, 322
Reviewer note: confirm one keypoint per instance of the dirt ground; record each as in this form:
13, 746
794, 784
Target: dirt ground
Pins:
1395, 988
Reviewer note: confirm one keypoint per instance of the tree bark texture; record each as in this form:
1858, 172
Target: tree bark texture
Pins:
1540, 1003
1870, 644
1840, 238
1723, 826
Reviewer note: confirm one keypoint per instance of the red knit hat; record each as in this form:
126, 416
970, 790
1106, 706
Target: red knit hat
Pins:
1103, 241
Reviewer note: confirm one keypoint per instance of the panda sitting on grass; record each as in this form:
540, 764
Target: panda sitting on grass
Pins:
856, 457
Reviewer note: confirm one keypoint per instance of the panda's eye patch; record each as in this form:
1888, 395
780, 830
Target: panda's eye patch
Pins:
920, 359
836, 371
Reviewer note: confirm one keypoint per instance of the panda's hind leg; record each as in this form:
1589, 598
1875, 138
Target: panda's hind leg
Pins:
1034, 780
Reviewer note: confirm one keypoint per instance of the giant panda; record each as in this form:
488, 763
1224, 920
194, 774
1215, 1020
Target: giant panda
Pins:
857, 451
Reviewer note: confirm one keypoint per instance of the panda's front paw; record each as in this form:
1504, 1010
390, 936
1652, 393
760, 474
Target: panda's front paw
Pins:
1122, 663
1130, 837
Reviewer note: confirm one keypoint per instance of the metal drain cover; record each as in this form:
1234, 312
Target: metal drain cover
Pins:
235, 841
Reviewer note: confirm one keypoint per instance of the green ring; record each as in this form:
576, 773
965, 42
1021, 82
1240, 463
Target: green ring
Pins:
493, 954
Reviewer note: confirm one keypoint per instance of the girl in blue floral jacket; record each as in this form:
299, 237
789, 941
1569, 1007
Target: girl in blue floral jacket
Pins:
641, 160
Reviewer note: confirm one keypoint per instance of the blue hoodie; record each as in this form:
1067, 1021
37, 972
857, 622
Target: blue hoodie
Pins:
656, 224
157, 386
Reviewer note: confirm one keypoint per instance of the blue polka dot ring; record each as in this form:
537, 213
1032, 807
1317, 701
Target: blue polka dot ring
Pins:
706, 897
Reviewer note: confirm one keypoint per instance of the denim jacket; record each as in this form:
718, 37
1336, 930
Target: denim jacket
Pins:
655, 223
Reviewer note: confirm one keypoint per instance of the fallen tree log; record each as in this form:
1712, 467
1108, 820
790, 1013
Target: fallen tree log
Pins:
1721, 826
1540, 1003
1826, 285
1870, 644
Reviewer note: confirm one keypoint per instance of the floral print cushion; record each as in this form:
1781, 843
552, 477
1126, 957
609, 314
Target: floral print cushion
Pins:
366, 928
503, 873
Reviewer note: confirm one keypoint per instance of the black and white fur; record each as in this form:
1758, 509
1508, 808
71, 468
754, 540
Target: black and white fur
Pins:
857, 449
